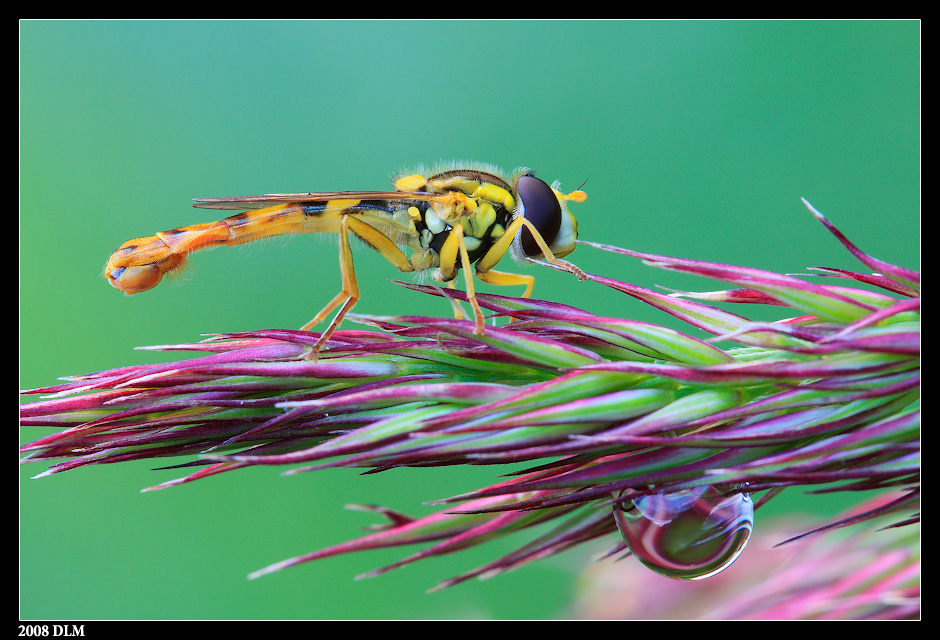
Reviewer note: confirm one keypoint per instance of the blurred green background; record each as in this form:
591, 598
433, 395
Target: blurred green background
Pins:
696, 139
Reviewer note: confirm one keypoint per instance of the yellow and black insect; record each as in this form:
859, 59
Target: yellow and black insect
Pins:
451, 219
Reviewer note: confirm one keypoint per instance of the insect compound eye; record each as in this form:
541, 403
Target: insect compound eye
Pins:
541, 208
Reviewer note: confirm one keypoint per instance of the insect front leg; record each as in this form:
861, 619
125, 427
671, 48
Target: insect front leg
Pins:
503, 244
503, 279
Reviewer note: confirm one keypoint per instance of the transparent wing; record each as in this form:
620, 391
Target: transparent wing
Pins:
244, 203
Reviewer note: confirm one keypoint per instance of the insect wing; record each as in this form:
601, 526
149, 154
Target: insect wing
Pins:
244, 203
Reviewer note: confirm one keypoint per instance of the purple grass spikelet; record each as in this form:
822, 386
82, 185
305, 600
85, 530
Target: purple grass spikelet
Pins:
657, 440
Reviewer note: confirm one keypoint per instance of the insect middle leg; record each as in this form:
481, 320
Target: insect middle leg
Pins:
350, 292
455, 248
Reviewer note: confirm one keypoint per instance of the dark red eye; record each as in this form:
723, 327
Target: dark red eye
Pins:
541, 208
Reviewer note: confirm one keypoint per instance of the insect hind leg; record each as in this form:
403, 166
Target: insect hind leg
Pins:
349, 295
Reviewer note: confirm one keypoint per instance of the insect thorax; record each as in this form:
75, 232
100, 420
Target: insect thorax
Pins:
483, 222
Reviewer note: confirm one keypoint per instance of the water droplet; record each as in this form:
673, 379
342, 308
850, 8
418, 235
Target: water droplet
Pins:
687, 535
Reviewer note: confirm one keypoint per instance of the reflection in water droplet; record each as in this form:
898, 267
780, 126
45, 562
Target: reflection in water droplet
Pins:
688, 535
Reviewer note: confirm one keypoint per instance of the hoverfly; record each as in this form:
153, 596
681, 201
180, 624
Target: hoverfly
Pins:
450, 220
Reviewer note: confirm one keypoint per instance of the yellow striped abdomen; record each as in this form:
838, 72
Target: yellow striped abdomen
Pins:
141, 263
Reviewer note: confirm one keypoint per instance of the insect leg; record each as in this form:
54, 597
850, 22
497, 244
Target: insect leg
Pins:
347, 297
502, 245
502, 279
458, 311
380, 242
453, 247
350, 292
